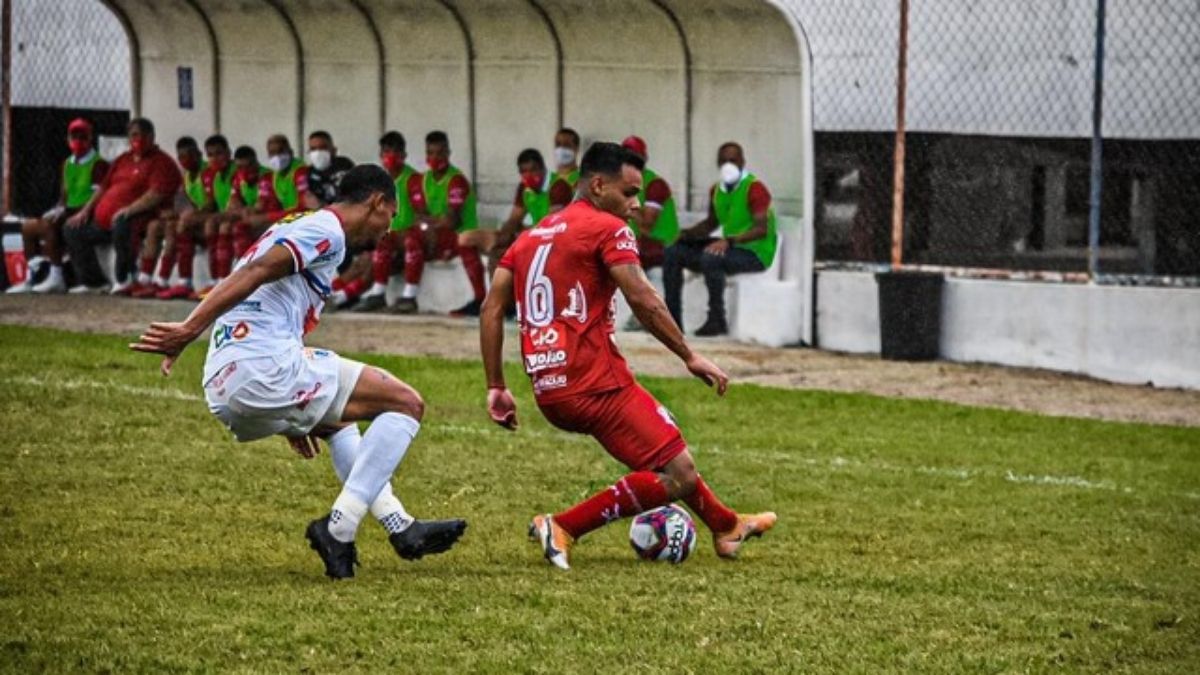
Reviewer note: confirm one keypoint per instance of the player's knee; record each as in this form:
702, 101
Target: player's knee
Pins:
710, 263
406, 400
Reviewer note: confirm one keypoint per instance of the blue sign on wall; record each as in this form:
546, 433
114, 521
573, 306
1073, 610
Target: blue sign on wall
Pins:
184, 74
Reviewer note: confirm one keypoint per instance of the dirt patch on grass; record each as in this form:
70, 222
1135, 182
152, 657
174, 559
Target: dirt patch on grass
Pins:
972, 384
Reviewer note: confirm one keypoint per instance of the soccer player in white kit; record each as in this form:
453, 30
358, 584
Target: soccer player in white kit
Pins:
260, 379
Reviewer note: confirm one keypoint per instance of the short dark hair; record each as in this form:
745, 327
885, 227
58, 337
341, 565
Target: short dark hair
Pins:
531, 155
320, 133
364, 180
393, 140
570, 132
607, 159
437, 137
731, 144
186, 143
143, 125
216, 139
245, 152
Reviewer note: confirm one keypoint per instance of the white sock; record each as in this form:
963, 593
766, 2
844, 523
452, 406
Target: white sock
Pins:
143, 278
55, 272
410, 291
344, 517
159, 281
184, 281
376, 289
345, 448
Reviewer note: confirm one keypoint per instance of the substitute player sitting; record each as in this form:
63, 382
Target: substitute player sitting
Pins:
260, 379
562, 276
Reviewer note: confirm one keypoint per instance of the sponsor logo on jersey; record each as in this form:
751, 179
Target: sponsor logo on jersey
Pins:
305, 396
576, 304
218, 381
323, 246
547, 232
224, 334
549, 383
544, 337
667, 416
543, 360
250, 306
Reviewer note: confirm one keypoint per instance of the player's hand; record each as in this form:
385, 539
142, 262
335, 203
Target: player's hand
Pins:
708, 372
168, 339
78, 219
718, 247
502, 408
305, 446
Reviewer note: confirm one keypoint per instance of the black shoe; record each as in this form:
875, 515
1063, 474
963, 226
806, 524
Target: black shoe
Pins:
712, 328
427, 537
469, 309
339, 558
370, 303
405, 306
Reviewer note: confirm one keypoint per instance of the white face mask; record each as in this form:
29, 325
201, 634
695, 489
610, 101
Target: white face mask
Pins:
564, 156
730, 174
279, 162
320, 159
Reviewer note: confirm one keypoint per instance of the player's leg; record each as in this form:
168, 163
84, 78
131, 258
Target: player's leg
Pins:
223, 249
467, 248
354, 280
716, 268
414, 268
676, 258
52, 248
375, 297
185, 254
31, 239
148, 285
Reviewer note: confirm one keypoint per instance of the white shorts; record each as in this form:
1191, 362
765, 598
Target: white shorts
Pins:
289, 394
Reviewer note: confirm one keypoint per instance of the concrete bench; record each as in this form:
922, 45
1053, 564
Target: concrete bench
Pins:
444, 287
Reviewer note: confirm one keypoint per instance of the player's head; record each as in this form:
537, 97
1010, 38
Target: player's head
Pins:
731, 153
437, 151
532, 168
321, 150
141, 135
279, 152
393, 151
610, 177
188, 153
246, 161
216, 148
566, 147
79, 136
636, 145
367, 202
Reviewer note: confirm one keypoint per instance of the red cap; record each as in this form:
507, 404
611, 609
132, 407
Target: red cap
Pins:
636, 144
80, 124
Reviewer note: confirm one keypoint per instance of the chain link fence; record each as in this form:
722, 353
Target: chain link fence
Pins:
999, 127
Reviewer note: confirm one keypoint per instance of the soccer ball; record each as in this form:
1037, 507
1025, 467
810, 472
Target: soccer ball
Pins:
666, 533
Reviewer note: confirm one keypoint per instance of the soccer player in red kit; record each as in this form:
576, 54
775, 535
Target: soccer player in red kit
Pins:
562, 276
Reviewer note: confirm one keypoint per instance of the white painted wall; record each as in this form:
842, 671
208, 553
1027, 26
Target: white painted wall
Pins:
1123, 334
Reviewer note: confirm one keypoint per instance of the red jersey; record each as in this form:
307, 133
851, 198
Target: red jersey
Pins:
565, 301
130, 177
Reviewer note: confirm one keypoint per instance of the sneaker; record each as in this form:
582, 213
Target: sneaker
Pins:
370, 303
427, 537
469, 309
727, 544
84, 289
405, 306
125, 288
53, 283
145, 291
712, 328
339, 558
178, 292
556, 543
21, 288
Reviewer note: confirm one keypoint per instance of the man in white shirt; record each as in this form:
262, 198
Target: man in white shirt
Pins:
260, 379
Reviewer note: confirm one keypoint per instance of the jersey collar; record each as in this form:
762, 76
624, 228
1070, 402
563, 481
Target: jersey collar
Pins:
85, 159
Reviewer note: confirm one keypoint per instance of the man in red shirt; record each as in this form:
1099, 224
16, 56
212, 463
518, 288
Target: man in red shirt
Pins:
564, 273
139, 182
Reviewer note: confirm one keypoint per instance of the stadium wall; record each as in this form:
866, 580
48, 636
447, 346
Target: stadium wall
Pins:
1134, 335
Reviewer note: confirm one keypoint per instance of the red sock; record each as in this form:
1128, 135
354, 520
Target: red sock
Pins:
354, 288
224, 255
185, 250
241, 239
146, 265
636, 492
381, 259
474, 265
705, 504
414, 257
166, 263
212, 242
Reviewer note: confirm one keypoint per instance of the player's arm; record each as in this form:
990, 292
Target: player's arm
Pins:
170, 339
651, 311
501, 407
703, 228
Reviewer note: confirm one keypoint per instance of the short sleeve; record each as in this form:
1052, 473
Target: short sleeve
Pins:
459, 190
314, 241
416, 191
507, 260
301, 178
759, 198
657, 193
618, 244
165, 178
560, 193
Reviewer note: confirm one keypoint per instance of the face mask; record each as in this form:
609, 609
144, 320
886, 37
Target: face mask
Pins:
391, 161
279, 162
730, 174
78, 146
564, 156
436, 163
247, 175
218, 163
532, 179
320, 159
137, 145
189, 163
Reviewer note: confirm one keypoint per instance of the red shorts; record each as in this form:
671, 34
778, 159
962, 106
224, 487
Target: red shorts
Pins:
635, 429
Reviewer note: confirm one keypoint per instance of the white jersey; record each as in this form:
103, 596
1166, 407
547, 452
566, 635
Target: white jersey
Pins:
275, 318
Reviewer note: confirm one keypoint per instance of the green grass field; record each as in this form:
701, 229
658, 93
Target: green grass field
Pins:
913, 536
